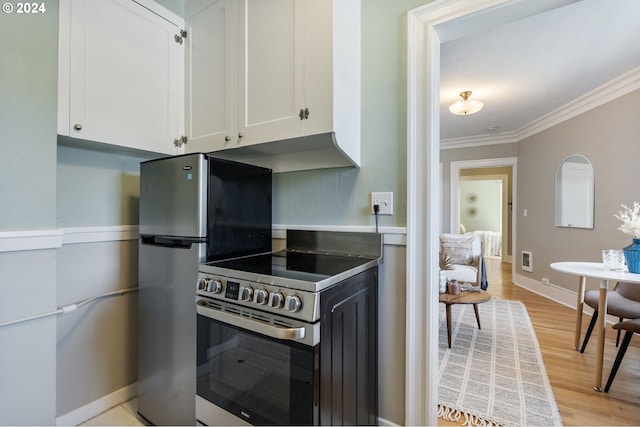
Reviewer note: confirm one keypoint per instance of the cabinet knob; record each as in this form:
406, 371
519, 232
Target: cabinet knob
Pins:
226, 138
240, 135
301, 115
77, 126
306, 113
180, 141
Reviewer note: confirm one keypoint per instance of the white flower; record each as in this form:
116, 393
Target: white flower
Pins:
630, 219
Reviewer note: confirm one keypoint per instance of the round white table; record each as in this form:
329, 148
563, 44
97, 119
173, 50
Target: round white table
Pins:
594, 270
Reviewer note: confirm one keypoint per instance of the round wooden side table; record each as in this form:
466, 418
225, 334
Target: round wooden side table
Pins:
465, 297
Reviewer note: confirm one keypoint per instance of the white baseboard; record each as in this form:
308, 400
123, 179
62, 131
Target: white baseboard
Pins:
95, 408
555, 293
384, 422
560, 295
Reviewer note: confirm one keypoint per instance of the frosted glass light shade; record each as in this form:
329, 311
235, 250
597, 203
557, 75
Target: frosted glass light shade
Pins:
466, 106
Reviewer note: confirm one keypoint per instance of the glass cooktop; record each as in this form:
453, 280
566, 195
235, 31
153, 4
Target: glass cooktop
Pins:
305, 266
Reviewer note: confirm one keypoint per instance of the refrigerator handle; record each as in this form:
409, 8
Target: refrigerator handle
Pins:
170, 242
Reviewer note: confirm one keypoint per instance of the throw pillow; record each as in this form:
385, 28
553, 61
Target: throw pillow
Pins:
458, 247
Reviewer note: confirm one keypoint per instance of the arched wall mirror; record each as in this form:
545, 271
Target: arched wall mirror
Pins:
574, 193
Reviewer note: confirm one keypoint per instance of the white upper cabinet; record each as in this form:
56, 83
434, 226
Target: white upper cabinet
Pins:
274, 83
211, 75
121, 74
271, 66
244, 72
260, 71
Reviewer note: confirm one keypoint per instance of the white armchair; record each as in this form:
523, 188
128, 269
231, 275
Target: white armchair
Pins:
465, 251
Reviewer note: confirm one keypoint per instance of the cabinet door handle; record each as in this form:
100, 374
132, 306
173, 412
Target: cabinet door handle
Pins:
306, 113
301, 115
77, 126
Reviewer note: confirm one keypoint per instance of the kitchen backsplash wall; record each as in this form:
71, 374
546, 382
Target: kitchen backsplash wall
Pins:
97, 188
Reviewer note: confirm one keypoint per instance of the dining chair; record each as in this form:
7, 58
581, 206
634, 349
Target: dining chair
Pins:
631, 327
623, 301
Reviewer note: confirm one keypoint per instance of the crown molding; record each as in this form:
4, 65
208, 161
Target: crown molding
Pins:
479, 140
622, 85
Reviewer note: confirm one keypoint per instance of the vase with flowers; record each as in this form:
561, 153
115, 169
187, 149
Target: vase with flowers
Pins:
630, 225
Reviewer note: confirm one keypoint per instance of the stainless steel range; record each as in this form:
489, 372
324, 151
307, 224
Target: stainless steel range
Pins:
290, 337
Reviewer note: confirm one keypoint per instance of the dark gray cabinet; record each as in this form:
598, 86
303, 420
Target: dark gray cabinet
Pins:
348, 352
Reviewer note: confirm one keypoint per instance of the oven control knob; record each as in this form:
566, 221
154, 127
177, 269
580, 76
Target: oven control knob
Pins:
292, 303
246, 293
276, 300
204, 284
215, 286
261, 296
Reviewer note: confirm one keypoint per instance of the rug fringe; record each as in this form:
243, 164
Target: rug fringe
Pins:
454, 415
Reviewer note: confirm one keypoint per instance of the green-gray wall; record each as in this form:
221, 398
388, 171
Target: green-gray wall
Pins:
47, 184
28, 108
28, 111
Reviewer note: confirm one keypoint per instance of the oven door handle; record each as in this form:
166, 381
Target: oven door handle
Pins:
291, 334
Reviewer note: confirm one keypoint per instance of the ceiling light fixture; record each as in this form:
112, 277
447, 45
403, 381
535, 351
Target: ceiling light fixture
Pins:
466, 106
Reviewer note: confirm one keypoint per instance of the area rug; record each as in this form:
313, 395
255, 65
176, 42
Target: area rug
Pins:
494, 376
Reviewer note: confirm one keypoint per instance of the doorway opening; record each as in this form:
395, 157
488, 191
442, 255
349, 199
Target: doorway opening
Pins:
429, 26
489, 215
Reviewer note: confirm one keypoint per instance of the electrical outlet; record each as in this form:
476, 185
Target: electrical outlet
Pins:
384, 200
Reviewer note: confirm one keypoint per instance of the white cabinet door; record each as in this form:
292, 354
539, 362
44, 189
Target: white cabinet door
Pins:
318, 66
271, 43
211, 75
333, 73
125, 76
254, 65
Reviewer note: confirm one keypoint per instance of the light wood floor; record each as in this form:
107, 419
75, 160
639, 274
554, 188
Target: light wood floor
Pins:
571, 373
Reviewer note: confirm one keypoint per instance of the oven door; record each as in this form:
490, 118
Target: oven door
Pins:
262, 373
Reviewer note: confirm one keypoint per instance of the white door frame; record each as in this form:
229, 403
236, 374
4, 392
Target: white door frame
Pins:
427, 27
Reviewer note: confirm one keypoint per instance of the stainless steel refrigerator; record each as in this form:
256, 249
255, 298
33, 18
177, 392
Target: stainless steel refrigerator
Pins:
193, 209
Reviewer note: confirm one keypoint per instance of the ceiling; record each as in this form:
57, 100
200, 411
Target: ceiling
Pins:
525, 70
